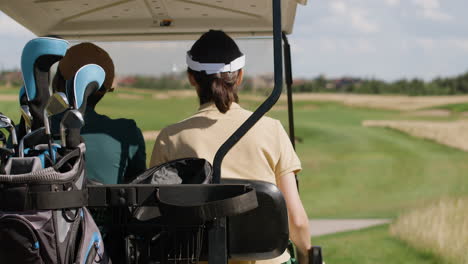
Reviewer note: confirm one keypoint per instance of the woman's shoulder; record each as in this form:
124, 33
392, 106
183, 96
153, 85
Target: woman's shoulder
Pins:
264, 120
194, 121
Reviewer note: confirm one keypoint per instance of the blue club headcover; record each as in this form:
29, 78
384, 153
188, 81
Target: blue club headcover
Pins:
21, 93
33, 50
88, 79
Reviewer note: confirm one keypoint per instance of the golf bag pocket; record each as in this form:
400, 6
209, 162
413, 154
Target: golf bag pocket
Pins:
27, 238
91, 249
22, 165
43, 218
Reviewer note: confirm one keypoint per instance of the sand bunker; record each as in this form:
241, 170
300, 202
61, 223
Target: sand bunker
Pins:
434, 113
8, 98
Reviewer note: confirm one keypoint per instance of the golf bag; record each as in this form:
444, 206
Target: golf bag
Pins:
42, 213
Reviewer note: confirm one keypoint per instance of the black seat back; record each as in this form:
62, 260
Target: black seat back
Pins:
261, 233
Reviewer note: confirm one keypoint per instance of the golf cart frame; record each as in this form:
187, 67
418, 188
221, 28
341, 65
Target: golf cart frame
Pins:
122, 196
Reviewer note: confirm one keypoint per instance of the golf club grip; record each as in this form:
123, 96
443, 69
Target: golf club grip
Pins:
73, 138
21, 129
315, 255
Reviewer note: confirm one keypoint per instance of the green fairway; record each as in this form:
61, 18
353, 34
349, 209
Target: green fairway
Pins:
356, 171
457, 108
370, 246
350, 171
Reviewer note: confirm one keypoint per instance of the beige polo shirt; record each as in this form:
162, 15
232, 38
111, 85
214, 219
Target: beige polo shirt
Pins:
264, 153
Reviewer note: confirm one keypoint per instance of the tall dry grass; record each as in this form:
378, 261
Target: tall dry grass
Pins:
453, 134
441, 229
389, 102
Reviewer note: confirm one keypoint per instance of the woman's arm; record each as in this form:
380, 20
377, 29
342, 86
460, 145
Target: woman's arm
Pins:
160, 151
298, 220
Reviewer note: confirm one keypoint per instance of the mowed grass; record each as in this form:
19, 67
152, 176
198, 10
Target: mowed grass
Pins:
349, 171
355, 171
371, 246
457, 108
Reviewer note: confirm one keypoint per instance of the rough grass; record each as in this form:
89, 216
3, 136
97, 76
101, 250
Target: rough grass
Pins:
458, 108
389, 102
452, 134
441, 228
371, 246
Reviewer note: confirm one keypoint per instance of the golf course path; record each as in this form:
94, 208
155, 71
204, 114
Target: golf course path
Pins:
319, 227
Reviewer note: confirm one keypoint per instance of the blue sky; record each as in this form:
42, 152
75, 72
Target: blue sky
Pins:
386, 39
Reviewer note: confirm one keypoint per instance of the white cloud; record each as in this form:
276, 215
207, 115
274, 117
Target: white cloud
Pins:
431, 9
338, 7
426, 44
356, 17
365, 46
392, 2
437, 45
437, 15
461, 44
360, 22
328, 45
427, 4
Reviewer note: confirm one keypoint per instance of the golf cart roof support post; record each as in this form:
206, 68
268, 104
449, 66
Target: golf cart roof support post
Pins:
289, 82
265, 106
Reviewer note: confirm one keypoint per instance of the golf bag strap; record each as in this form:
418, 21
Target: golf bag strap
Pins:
208, 211
43, 201
120, 196
57, 200
72, 154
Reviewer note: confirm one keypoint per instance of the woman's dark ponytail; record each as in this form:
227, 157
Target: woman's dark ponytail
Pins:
220, 88
224, 90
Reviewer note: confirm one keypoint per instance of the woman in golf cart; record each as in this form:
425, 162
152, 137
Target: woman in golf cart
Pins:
265, 153
115, 148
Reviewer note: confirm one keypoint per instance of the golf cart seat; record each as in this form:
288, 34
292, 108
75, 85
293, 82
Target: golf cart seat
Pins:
261, 233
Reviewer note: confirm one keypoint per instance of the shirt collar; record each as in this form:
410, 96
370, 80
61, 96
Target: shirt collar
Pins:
212, 107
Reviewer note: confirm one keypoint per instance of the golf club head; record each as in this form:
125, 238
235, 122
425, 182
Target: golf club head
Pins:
5, 152
27, 117
38, 56
87, 80
3, 138
36, 137
6, 122
73, 122
57, 104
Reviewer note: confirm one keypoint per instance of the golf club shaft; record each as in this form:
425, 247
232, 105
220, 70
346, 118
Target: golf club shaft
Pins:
49, 137
63, 135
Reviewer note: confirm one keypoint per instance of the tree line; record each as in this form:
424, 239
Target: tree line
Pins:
437, 86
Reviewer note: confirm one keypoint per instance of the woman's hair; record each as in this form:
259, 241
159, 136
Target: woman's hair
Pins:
221, 88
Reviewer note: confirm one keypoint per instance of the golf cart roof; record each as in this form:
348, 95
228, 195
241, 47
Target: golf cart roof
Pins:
109, 20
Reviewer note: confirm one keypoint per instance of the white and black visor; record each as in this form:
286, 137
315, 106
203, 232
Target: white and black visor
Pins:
212, 68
